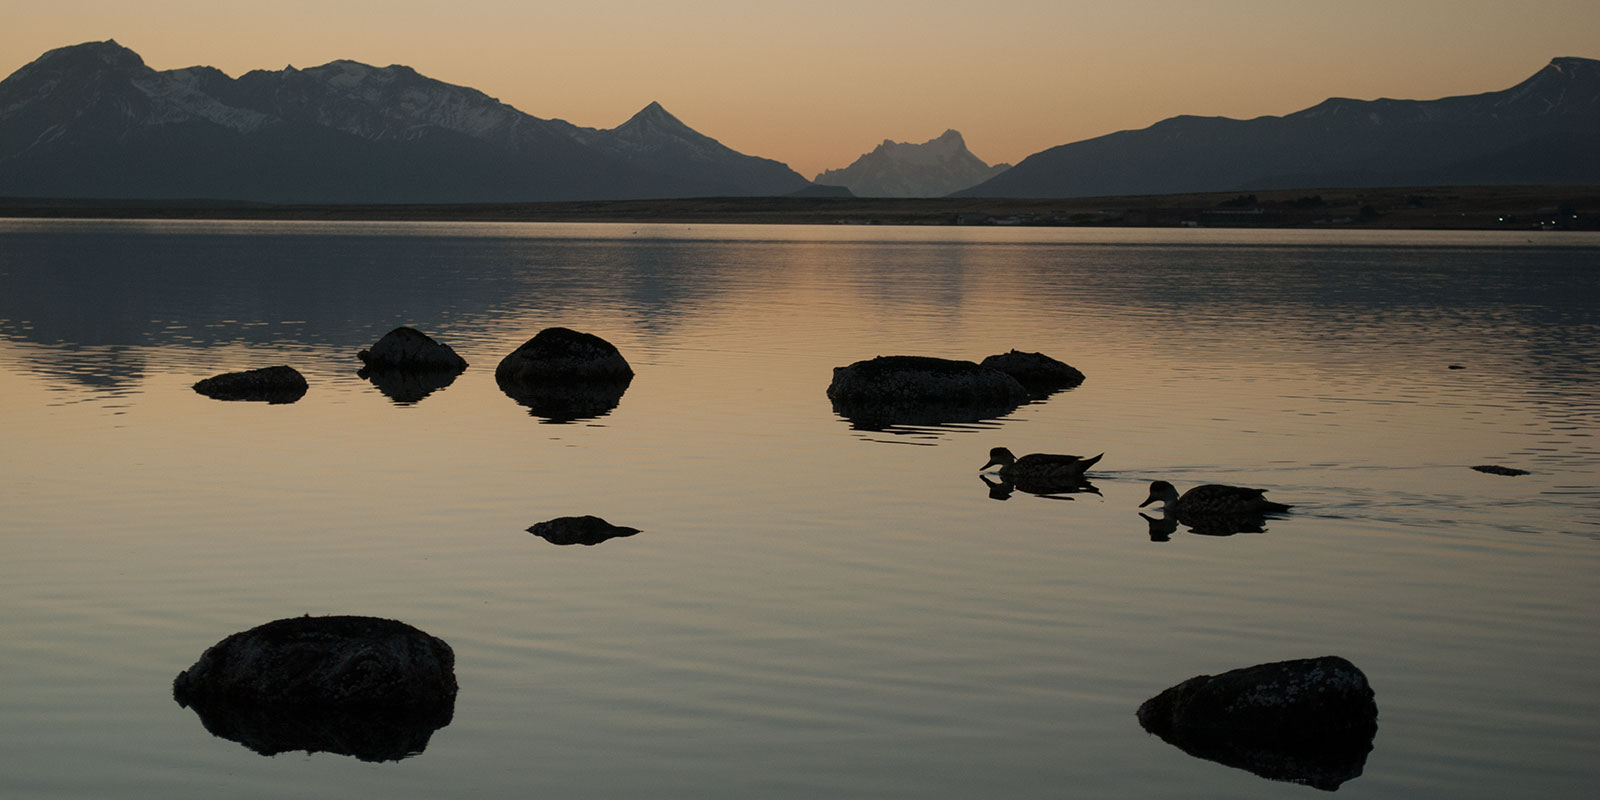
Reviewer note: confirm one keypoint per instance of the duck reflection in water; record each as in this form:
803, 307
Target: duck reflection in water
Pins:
1003, 488
1213, 509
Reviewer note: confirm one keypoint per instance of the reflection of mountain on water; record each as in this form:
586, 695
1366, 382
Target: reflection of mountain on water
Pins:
82, 290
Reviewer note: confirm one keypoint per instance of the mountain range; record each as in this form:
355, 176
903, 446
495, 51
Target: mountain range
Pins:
92, 120
1545, 130
934, 168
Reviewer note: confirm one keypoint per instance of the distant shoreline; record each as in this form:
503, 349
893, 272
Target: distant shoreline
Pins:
1405, 208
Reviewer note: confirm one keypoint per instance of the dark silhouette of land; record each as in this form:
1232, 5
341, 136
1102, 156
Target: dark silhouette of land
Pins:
1444, 208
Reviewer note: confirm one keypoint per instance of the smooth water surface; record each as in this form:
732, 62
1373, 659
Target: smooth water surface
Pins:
812, 609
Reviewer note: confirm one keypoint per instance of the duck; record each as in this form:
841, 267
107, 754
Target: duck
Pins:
1212, 500
1040, 466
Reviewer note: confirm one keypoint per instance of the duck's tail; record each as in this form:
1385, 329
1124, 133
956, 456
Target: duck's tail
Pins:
1089, 462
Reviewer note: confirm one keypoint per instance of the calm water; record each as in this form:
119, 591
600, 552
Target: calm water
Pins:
812, 610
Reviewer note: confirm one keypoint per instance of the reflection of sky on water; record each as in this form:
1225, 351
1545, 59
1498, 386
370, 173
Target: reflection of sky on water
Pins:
810, 608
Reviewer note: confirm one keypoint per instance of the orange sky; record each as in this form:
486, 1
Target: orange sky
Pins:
816, 84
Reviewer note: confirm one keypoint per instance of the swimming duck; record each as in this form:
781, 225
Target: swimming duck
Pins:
1212, 499
1039, 466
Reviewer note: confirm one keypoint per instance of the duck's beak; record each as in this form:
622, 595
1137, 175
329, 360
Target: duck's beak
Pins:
1148, 500
992, 462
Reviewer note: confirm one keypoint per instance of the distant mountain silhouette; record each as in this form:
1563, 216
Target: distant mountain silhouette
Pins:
1545, 130
934, 168
92, 120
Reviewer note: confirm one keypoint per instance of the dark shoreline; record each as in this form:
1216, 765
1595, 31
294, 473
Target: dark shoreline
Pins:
1414, 208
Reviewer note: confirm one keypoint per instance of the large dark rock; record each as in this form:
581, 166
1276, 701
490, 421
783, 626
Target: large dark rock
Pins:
918, 390
412, 350
585, 530
564, 375
1309, 721
1039, 373
564, 354
269, 384
372, 688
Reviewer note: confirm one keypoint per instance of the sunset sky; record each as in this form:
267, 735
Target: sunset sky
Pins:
816, 84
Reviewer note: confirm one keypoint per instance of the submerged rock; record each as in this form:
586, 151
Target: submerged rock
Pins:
564, 375
918, 390
372, 688
1309, 721
1496, 469
281, 384
1039, 373
584, 530
409, 349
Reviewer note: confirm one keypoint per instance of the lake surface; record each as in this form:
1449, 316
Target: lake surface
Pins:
813, 608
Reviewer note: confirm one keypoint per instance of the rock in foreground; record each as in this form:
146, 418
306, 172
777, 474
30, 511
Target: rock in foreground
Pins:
908, 390
1039, 373
410, 349
281, 384
1309, 721
372, 688
585, 530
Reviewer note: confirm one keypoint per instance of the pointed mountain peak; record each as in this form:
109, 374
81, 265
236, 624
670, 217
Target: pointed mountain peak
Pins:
652, 114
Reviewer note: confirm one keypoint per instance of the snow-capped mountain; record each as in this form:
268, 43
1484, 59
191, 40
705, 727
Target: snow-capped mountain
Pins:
93, 120
933, 168
1545, 130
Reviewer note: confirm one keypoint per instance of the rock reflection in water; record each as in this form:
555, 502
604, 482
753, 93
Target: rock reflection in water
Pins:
561, 402
369, 734
407, 387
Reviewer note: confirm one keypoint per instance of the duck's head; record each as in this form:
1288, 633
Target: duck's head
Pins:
1162, 492
999, 456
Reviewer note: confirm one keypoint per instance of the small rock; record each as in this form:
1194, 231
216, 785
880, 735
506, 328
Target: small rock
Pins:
269, 384
584, 530
410, 349
1038, 372
1496, 469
